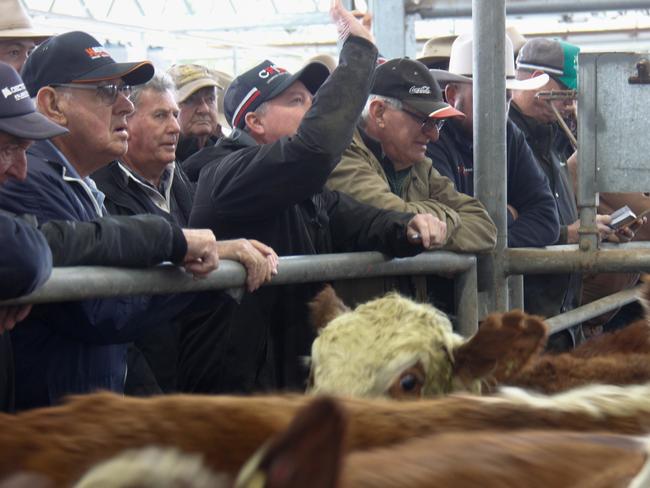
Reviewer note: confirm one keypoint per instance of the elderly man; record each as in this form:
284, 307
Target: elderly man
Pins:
385, 166
148, 180
76, 347
18, 38
268, 184
532, 216
196, 94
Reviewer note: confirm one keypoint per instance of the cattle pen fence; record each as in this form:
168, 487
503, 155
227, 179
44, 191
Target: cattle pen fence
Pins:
613, 154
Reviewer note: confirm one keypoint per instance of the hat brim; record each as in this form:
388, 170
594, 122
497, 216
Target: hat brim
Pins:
187, 90
313, 75
31, 126
434, 109
443, 77
132, 73
37, 36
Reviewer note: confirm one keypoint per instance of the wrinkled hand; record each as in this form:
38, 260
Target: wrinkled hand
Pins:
202, 255
602, 223
260, 261
11, 315
347, 24
428, 230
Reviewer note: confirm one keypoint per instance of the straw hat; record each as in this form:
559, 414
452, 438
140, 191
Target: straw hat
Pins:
16, 24
436, 49
518, 40
328, 60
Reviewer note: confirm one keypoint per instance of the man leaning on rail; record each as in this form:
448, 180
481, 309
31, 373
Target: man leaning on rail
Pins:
149, 180
266, 181
77, 347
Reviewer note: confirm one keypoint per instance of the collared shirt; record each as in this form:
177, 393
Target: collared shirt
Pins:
70, 174
161, 196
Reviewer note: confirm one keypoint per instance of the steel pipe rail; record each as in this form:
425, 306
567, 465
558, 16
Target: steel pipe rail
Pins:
463, 8
563, 259
82, 282
593, 309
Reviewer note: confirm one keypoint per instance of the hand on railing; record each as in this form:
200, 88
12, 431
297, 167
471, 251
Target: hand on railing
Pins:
202, 255
427, 230
260, 261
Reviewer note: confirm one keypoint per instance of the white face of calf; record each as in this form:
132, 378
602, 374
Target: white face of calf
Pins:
394, 347
387, 347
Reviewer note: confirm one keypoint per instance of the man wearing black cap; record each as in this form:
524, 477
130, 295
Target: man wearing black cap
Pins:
74, 347
385, 166
266, 182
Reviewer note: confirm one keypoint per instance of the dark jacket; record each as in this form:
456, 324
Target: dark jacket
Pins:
25, 264
152, 360
77, 347
528, 190
193, 165
549, 295
125, 197
274, 193
187, 147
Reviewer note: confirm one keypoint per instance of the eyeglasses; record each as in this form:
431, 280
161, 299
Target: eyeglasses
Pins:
106, 93
428, 124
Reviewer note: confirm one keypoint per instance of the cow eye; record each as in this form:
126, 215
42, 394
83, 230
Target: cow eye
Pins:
408, 382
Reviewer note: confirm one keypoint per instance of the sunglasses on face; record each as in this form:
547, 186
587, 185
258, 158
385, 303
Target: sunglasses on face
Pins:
106, 93
427, 124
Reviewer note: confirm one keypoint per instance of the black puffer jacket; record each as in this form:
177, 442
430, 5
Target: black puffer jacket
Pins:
274, 193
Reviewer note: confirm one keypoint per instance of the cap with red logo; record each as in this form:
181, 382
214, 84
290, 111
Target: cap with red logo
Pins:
77, 57
264, 82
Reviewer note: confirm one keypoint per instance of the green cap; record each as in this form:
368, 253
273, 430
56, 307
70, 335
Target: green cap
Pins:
570, 67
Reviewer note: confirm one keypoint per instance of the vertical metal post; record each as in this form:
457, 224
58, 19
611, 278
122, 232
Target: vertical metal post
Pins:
587, 182
465, 292
516, 287
389, 27
489, 90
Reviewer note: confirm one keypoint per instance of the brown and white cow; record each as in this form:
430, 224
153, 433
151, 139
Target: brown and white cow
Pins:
63, 442
394, 347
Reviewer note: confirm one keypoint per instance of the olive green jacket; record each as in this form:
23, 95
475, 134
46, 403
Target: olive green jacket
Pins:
361, 175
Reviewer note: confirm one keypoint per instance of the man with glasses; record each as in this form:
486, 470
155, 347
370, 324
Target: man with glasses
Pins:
385, 166
77, 347
196, 95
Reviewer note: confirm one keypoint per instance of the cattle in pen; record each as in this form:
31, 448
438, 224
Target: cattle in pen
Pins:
397, 348
63, 442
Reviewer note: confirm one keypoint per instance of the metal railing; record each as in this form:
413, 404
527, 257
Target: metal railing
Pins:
83, 282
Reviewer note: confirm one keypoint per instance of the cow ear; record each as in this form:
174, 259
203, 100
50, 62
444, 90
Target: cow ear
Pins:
308, 453
503, 345
325, 307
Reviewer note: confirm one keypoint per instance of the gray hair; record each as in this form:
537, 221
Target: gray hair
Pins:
160, 83
393, 102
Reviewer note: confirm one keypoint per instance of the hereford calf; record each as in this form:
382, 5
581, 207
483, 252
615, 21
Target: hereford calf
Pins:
310, 453
63, 442
394, 347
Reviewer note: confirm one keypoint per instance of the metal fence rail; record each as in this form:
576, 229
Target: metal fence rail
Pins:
82, 282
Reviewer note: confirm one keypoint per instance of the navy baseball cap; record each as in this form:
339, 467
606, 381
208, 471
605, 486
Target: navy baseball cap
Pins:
18, 116
77, 57
264, 82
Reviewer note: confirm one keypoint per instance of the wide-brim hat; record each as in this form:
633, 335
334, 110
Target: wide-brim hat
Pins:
18, 116
436, 49
16, 24
77, 57
461, 68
